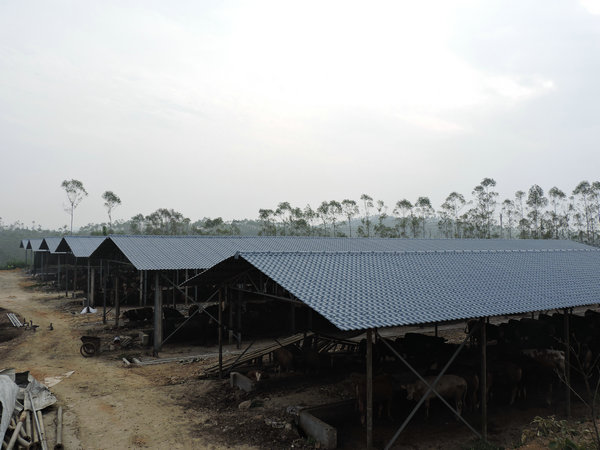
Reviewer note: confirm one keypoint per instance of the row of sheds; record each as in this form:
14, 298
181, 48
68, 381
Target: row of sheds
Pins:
367, 284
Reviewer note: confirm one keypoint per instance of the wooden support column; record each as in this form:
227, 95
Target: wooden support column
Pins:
567, 362
230, 316
220, 334
186, 288
105, 292
145, 287
141, 273
238, 316
158, 320
74, 278
369, 386
483, 378
196, 289
87, 294
436, 329
92, 296
58, 272
66, 280
117, 301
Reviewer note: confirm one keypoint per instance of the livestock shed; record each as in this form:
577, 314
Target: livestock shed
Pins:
426, 282
37, 254
24, 245
77, 251
173, 259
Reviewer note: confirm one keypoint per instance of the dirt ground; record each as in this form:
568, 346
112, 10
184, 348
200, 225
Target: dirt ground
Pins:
109, 405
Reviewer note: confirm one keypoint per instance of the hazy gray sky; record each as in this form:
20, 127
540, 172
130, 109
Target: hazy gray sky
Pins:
222, 108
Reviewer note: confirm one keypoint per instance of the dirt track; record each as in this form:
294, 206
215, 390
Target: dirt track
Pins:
107, 405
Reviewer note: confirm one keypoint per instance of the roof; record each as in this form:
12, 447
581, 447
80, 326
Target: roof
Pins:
24, 243
202, 252
34, 244
358, 290
51, 244
80, 246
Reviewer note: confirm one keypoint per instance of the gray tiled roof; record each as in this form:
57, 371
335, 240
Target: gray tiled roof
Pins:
80, 246
363, 290
202, 252
34, 244
51, 243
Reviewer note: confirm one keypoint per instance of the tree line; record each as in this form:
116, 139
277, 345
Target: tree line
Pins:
532, 214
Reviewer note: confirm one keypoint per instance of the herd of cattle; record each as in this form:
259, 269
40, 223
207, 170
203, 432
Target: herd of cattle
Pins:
525, 361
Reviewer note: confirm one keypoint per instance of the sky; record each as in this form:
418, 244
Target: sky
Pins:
222, 108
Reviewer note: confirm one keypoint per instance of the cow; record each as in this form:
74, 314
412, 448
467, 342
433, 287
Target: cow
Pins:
451, 387
383, 392
508, 378
284, 359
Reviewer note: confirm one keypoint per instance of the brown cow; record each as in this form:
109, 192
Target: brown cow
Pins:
451, 387
383, 391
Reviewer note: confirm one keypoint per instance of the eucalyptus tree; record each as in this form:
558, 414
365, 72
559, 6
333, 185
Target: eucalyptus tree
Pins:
350, 210
266, 217
510, 213
111, 201
450, 213
557, 200
404, 213
75, 194
323, 213
536, 201
334, 212
424, 211
520, 209
365, 228
284, 212
485, 206
584, 193
310, 215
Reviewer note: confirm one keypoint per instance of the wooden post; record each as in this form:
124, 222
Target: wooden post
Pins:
141, 272
145, 287
158, 321
567, 362
117, 301
104, 292
74, 278
87, 294
92, 297
369, 381
436, 329
483, 345
230, 316
238, 315
220, 335
58, 272
66, 280
186, 288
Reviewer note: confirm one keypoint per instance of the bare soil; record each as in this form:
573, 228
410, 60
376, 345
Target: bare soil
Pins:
109, 405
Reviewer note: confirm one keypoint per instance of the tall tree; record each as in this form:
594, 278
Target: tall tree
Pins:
424, 211
266, 221
520, 210
450, 213
350, 209
536, 202
323, 213
111, 201
334, 211
485, 198
404, 212
509, 212
365, 228
585, 204
75, 194
557, 199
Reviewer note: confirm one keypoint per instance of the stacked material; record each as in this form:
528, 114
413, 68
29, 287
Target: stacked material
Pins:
22, 400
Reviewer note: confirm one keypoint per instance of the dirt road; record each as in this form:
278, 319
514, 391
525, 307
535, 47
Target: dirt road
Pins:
107, 406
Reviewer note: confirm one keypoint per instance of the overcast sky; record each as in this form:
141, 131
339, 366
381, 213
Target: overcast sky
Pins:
222, 108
